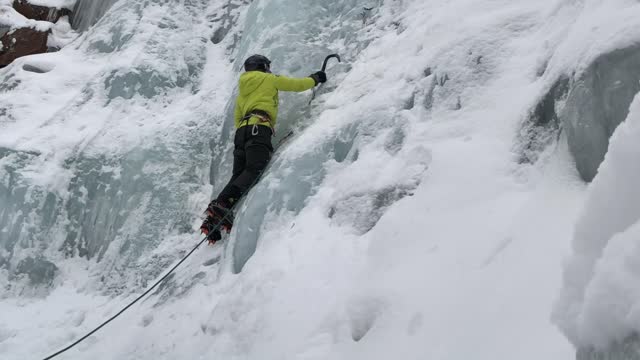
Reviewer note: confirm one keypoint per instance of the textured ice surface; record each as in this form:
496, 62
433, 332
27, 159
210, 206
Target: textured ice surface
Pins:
87, 12
628, 349
597, 103
594, 77
396, 220
107, 168
296, 36
598, 304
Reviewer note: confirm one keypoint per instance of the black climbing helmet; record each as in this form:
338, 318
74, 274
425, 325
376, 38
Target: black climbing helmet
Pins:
257, 63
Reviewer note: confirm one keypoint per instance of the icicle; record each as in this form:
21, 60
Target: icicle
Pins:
88, 12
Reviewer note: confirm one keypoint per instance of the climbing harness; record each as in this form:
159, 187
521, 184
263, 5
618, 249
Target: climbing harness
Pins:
263, 116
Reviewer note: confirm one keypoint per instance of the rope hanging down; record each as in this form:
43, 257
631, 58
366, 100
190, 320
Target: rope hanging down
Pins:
139, 297
217, 226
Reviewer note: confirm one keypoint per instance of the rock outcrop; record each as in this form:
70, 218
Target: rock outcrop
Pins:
36, 12
22, 42
25, 29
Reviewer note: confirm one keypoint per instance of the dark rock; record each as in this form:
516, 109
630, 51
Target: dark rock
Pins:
37, 12
22, 42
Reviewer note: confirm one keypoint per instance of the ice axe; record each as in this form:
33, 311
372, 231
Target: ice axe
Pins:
324, 64
324, 67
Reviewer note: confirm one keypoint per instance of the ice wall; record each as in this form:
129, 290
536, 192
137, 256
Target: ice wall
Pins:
588, 107
595, 69
397, 200
289, 34
594, 82
100, 160
87, 12
597, 103
598, 305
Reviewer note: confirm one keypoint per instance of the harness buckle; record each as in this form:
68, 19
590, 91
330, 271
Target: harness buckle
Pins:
263, 117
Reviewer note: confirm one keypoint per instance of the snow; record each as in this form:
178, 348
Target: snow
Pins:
396, 222
603, 26
58, 4
600, 295
14, 20
61, 34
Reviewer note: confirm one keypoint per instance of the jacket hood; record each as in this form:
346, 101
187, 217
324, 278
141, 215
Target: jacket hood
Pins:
250, 81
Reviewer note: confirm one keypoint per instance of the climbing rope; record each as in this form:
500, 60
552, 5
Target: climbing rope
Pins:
139, 297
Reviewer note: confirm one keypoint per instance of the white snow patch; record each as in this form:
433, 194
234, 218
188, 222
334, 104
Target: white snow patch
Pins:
61, 34
58, 4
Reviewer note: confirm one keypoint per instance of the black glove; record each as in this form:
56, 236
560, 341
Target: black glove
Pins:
319, 77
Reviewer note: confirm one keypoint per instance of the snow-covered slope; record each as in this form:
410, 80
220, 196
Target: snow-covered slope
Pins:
400, 220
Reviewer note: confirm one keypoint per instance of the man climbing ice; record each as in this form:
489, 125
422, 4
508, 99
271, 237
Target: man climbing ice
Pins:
255, 117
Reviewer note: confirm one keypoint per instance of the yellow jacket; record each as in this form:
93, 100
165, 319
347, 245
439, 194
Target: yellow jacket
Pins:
259, 91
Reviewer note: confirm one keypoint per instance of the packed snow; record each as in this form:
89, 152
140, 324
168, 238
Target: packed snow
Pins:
396, 221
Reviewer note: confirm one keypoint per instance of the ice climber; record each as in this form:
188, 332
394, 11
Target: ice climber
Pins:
255, 117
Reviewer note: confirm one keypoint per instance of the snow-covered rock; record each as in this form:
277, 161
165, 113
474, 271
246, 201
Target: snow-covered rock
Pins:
55, 4
25, 29
11, 18
37, 12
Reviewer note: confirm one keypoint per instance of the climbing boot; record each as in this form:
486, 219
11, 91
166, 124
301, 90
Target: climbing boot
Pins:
210, 229
220, 213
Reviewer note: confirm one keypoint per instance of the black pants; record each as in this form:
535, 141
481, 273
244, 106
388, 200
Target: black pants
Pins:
251, 154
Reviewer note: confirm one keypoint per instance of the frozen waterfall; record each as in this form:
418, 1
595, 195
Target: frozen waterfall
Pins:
420, 206
87, 12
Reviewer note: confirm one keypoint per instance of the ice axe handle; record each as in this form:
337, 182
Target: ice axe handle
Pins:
324, 67
324, 64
